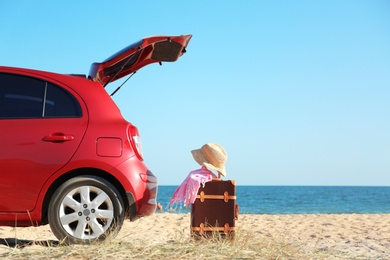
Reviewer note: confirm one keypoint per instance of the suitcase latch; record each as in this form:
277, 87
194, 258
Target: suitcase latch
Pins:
226, 196
201, 196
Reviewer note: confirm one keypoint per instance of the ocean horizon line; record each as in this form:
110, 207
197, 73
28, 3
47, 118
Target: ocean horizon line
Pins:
279, 199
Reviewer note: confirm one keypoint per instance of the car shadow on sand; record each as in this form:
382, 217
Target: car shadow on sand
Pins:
21, 243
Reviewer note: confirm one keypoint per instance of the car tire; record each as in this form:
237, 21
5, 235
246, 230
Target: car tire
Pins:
85, 209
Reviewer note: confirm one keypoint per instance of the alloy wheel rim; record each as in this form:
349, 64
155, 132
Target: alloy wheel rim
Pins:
86, 212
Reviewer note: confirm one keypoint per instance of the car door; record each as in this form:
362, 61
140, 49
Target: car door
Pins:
41, 126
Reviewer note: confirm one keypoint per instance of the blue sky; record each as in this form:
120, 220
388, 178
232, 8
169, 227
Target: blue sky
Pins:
296, 91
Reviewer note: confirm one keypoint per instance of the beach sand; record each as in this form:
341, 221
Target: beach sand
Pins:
364, 236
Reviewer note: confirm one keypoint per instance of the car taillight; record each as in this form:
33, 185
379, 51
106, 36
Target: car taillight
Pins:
148, 177
136, 141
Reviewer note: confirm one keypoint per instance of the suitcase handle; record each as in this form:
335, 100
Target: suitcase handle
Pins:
236, 211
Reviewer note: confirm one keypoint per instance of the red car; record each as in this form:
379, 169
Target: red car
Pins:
67, 156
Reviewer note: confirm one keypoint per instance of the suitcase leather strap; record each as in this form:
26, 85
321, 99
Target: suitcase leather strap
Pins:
201, 229
225, 197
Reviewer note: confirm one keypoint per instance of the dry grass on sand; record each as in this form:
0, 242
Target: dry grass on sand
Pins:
166, 236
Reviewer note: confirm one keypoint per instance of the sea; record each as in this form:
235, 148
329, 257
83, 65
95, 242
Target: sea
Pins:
299, 199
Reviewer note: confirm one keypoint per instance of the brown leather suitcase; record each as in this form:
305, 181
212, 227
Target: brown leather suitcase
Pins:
215, 210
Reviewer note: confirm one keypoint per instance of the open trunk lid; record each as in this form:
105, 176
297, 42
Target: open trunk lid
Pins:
137, 55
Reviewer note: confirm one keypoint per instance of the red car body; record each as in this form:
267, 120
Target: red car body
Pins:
40, 153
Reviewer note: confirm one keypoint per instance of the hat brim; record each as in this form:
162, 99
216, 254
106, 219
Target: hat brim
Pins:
201, 160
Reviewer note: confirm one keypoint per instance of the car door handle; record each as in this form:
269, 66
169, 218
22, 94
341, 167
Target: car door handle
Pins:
58, 138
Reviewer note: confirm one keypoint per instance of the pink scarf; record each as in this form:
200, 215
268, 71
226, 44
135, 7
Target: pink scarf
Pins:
188, 190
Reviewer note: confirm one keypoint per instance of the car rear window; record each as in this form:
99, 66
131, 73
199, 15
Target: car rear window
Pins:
27, 97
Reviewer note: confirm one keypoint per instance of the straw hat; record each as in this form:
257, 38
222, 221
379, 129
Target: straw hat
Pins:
212, 156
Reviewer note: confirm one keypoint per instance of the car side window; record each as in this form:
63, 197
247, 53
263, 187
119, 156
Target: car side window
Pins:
60, 103
27, 97
21, 97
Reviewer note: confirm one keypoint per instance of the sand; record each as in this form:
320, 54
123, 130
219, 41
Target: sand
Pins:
356, 235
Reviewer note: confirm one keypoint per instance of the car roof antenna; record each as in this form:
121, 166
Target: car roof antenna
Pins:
116, 90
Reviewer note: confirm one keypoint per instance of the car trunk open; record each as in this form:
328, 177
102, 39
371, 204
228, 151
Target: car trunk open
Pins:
137, 55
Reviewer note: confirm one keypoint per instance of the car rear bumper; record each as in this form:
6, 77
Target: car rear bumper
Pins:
147, 203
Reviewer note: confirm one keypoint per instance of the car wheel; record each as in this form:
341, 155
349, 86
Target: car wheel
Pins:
85, 209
